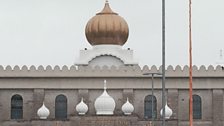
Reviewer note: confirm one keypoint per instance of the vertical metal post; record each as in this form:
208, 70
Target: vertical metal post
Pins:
163, 62
152, 99
190, 70
152, 75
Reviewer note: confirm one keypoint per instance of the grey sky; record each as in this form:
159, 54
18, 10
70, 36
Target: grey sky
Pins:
51, 32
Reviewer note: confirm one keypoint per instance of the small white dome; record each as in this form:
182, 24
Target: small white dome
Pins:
104, 104
43, 112
168, 112
81, 108
127, 108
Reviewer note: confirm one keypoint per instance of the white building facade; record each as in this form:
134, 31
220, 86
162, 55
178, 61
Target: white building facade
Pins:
107, 87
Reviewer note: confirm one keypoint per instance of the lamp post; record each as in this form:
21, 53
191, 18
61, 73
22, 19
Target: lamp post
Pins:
163, 62
152, 75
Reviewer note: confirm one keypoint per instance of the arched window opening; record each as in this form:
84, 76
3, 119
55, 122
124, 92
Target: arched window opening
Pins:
16, 107
61, 107
150, 106
197, 107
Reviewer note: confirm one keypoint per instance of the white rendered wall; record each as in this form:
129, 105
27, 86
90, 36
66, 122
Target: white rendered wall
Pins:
106, 60
109, 55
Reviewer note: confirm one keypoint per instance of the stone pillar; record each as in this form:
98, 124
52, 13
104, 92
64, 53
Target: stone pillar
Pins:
172, 101
217, 108
84, 93
38, 98
1, 112
128, 93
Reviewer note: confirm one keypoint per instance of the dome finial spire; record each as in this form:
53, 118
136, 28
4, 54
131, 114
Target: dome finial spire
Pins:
107, 1
105, 84
104, 104
81, 108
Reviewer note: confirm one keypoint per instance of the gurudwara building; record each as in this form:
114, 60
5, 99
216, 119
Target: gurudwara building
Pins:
106, 87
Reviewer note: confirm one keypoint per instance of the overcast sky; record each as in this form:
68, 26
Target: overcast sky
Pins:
51, 32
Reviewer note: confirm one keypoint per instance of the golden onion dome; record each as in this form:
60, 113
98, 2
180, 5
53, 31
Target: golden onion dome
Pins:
107, 27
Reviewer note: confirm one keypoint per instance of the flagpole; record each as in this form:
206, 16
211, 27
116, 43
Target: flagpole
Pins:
190, 70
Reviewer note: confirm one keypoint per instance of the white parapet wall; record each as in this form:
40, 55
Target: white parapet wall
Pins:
105, 71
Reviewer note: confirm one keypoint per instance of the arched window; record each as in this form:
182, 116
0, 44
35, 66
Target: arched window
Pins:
196, 107
61, 107
150, 105
16, 107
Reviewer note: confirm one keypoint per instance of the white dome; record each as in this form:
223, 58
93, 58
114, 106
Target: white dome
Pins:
168, 112
104, 104
43, 112
127, 108
81, 108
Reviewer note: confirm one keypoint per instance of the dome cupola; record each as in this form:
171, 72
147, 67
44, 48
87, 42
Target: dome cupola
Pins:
168, 112
104, 104
43, 112
127, 108
81, 108
107, 28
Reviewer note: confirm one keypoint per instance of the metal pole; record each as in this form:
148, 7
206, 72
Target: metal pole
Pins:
190, 70
152, 99
152, 92
163, 62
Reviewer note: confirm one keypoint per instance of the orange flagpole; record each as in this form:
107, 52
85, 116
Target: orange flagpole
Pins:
190, 70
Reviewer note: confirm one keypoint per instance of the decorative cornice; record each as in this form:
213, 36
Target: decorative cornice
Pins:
105, 71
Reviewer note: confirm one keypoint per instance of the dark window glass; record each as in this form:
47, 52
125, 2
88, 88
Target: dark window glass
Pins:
16, 107
61, 107
150, 105
196, 107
